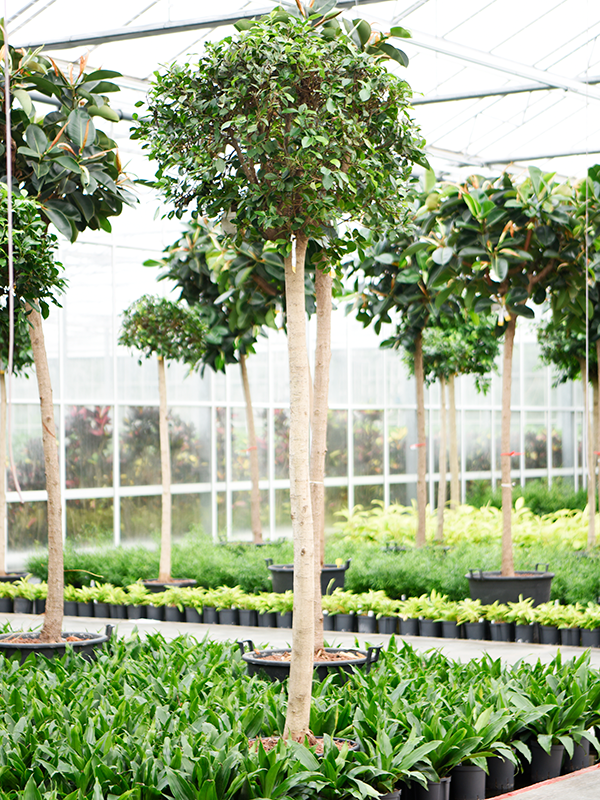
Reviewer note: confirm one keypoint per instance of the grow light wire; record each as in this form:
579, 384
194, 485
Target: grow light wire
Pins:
10, 257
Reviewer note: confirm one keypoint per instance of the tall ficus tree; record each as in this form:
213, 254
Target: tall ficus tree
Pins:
169, 331
509, 241
289, 128
72, 170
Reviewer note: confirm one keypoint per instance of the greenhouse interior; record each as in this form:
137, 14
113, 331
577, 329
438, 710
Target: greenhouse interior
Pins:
300, 333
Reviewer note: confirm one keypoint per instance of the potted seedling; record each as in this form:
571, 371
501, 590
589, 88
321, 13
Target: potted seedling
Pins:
500, 628
264, 609
71, 608
409, 611
248, 611
342, 607
522, 615
590, 626
568, 624
283, 606
470, 613
547, 615
138, 597
24, 596
386, 613
194, 604
433, 607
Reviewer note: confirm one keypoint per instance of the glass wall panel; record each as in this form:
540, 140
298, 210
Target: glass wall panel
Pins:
368, 442
283, 522
184, 386
189, 439
281, 380
27, 526
282, 437
257, 365
222, 516
515, 439
90, 522
400, 386
190, 513
561, 395
563, 450
89, 446
478, 441
338, 378
140, 520
336, 458
27, 448
240, 468
139, 446
241, 520
367, 376
221, 414
536, 440
477, 492
400, 422
535, 377
403, 493
336, 499
365, 495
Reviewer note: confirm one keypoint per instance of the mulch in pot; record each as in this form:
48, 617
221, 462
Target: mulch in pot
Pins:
316, 743
321, 656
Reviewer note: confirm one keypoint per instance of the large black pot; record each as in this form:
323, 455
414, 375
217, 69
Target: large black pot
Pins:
524, 633
193, 615
434, 791
500, 631
228, 616
85, 646
549, 634
159, 586
11, 577
22, 605
409, 627
450, 629
343, 622
543, 765
468, 783
136, 612
590, 638
173, 614
501, 776
580, 758
388, 625
283, 576
155, 612
6, 605
117, 611
367, 623
256, 662
569, 637
491, 586
475, 630
430, 627
248, 617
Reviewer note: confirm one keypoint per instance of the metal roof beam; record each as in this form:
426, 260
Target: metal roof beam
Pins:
482, 59
468, 160
524, 88
183, 26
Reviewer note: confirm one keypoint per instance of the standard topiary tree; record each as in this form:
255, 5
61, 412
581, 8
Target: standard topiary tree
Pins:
287, 127
173, 332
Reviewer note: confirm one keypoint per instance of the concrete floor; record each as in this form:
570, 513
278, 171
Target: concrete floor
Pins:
459, 649
583, 785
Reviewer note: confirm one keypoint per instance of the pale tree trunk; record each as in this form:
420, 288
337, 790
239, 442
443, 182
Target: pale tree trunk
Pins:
421, 448
253, 452
597, 437
164, 569
508, 566
439, 534
595, 433
2, 473
51, 631
454, 466
591, 482
318, 445
301, 667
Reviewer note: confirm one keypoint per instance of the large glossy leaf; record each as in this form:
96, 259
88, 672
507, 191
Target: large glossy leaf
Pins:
80, 128
36, 139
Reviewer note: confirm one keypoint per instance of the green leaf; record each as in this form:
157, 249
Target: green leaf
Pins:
365, 93
400, 33
106, 112
31, 791
69, 163
536, 178
499, 268
61, 222
25, 101
101, 74
36, 139
80, 128
442, 255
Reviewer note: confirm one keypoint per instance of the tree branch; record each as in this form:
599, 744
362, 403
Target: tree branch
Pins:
248, 169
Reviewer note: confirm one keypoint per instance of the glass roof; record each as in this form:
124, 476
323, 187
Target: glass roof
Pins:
502, 54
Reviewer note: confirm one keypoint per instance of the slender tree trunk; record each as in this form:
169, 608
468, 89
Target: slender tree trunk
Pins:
253, 452
597, 414
52, 628
508, 567
595, 435
590, 458
2, 473
421, 448
439, 534
301, 667
454, 466
318, 445
164, 569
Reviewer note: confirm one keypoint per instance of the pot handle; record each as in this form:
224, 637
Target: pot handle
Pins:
108, 631
268, 561
242, 645
547, 567
372, 656
472, 574
347, 564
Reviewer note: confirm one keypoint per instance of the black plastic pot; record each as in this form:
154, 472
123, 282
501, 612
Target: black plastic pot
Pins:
590, 638
409, 627
524, 633
248, 617
391, 795
156, 586
283, 576
468, 783
343, 622
136, 612
434, 791
475, 630
86, 645
117, 611
101, 610
388, 625
85, 609
491, 586
173, 614
543, 765
155, 612
284, 619
328, 622
366, 623
500, 631
228, 616
450, 629
39, 605
580, 759
256, 662
569, 637
12, 577
446, 782
501, 776
549, 634
22, 605
209, 615
6, 605
192, 615
430, 627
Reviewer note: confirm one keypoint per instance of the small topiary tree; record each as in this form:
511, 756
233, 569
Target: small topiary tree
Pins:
174, 332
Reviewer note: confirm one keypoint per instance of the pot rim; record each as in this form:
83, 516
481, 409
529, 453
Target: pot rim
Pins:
90, 638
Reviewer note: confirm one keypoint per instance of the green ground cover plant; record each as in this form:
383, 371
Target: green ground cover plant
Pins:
154, 719
537, 495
